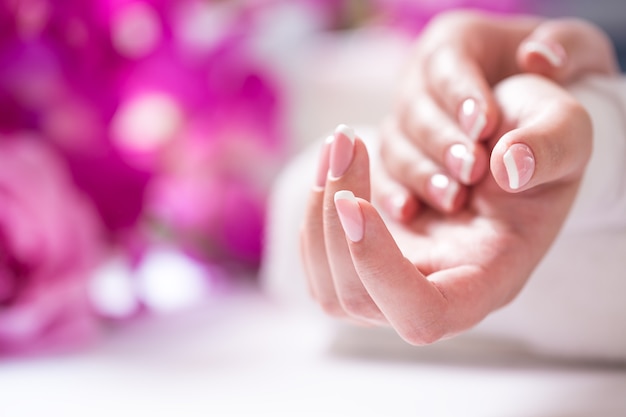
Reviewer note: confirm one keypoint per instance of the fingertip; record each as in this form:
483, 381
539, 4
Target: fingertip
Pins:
567, 48
519, 163
466, 162
472, 118
447, 194
401, 206
350, 215
545, 57
347, 131
513, 166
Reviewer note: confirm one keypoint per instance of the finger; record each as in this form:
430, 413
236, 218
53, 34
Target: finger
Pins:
395, 199
456, 65
313, 249
439, 137
464, 95
551, 138
419, 310
565, 49
408, 165
460, 56
349, 167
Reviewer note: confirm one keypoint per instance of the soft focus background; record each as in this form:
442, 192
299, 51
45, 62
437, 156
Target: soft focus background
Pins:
139, 140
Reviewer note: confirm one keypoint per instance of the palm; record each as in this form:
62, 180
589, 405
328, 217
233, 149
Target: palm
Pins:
496, 228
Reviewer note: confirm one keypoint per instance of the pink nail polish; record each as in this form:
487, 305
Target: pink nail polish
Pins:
444, 190
350, 215
519, 162
399, 206
324, 162
552, 52
341, 151
396, 206
461, 160
472, 119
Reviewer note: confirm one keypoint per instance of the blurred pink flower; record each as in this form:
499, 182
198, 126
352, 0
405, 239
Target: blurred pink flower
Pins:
160, 110
210, 218
50, 241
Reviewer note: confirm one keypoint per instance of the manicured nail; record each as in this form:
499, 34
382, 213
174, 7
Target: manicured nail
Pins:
461, 160
324, 162
341, 150
399, 206
472, 119
554, 53
350, 215
444, 190
519, 162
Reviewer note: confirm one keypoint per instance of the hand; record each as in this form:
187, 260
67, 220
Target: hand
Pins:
446, 109
441, 274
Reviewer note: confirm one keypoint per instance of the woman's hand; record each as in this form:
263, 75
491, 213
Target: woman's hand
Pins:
440, 274
446, 109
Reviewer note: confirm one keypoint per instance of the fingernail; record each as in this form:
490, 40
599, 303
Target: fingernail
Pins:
554, 53
341, 150
399, 206
323, 164
519, 162
472, 119
350, 215
444, 190
461, 160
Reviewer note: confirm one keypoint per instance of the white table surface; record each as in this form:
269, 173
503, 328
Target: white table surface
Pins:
246, 355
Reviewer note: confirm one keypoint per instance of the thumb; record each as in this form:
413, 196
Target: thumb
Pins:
566, 49
550, 139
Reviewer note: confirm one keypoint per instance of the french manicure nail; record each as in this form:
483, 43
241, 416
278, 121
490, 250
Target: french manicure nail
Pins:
461, 160
397, 205
341, 150
444, 190
324, 162
552, 52
472, 119
350, 215
519, 162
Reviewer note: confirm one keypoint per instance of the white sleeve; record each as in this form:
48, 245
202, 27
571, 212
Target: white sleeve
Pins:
574, 304
601, 202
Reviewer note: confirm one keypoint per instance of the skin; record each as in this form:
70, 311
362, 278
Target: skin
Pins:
439, 274
417, 138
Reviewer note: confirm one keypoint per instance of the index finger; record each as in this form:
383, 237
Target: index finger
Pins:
422, 310
462, 55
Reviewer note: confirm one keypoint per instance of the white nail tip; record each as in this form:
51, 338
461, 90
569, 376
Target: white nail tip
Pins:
467, 168
554, 59
346, 130
467, 165
451, 189
511, 170
345, 195
450, 196
479, 126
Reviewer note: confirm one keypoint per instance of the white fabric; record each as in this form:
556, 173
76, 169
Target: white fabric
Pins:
243, 356
574, 303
